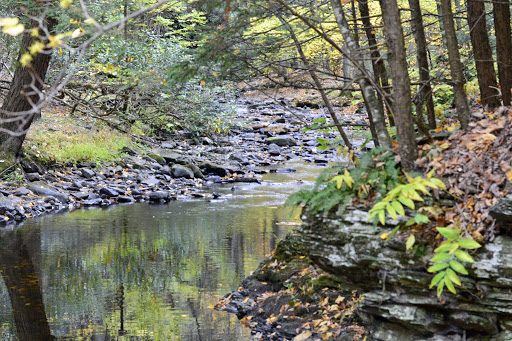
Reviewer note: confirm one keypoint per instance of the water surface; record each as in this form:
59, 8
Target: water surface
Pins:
141, 272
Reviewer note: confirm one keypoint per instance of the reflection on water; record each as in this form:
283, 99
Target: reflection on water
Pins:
139, 272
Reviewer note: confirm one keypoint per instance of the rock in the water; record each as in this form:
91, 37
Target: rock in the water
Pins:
282, 141
159, 196
274, 149
92, 202
178, 171
212, 168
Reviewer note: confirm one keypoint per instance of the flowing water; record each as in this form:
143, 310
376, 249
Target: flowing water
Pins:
142, 272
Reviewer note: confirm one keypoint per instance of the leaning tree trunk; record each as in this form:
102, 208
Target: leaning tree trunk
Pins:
318, 84
425, 93
461, 102
25, 93
483, 54
371, 101
401, 83
501, 10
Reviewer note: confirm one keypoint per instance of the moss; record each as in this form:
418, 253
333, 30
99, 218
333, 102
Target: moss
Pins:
326, 281
157, 158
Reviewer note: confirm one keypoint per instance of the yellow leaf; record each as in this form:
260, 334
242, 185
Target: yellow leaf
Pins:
77, 33
73, 21
66, 3
488, 137
445, 145
303, 336
215, 74
509, 175
14, 30
247, 299
36, 48
34, 32
203, 82
9, 21
25, 59
90, 21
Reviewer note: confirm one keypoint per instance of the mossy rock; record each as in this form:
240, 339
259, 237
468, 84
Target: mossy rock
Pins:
159, 159
289, 247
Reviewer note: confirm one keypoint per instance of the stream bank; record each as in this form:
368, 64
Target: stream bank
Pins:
178, 167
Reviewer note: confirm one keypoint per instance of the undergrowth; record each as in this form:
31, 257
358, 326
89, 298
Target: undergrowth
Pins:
61, 146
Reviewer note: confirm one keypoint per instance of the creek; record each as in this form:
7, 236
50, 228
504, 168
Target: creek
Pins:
142, 272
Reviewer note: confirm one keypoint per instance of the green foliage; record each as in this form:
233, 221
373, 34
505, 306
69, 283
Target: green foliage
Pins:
376, 173
447, 260
405, 195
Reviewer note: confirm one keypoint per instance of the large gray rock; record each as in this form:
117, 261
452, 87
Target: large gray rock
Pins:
171, 156
212, 168
398, 304
282, 141
178, 171
42, 189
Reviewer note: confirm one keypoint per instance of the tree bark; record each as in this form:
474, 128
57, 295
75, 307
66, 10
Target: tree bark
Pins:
461, 102
425, 93
379, 69
25, 93
483, 54
501, 11
401, 83
371, 101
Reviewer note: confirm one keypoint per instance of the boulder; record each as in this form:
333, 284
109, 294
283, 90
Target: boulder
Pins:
398, 304
159, 159
277, 129
274, 149
87, 173
212, 168
282, 141
171, 156
197, 172
178, 171
42, 189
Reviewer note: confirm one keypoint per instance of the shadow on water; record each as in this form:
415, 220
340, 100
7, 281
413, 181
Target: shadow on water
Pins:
140, 272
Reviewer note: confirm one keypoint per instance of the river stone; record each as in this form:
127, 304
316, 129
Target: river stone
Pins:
159, 196
212, 168
157, 158
125, 199
274, 149
197, 172
33, 177
42, 189
87, 173
277, 129
109, 192
92, 202
282, 141
171, 156
22, 191
178, 171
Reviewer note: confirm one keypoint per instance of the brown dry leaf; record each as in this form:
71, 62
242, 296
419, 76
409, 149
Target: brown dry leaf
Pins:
303, 336
488, 137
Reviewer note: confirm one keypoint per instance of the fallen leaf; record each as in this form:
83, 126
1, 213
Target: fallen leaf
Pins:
303, 336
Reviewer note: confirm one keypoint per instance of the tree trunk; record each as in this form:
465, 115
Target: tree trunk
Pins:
483, 54
371, 101
25, 93
379, 69
425, 93
401, 83
461, 102
318, 84
501, 11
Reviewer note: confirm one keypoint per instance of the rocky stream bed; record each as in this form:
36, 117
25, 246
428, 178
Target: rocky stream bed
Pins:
269, 133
